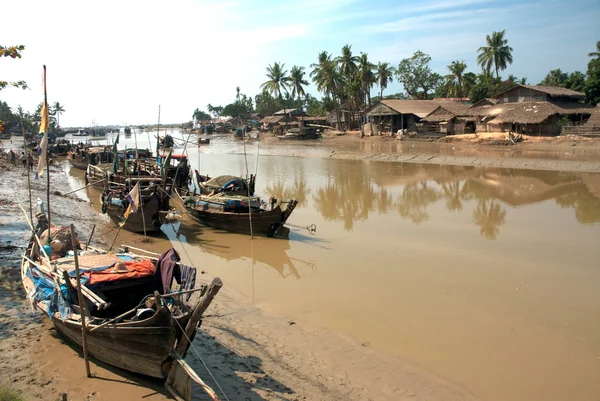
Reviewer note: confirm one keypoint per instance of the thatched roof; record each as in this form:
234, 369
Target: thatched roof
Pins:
534, 112
485, 102
436, 118
288, 111
420, 108
594, 120
272, 119
447, 110
552, 91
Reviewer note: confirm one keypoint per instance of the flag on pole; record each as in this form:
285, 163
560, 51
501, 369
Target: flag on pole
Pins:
134, 202
44, 125
116, 155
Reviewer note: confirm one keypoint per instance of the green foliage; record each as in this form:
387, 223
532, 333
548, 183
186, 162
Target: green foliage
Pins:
277, 79
592, 82
416, 76
488, 86
200, 115
384, 75
365, 78
215, 110
267, 104
315, 107
7, 394
595, 54
297, 82
241, 108
12, 52
497, 52
57, 109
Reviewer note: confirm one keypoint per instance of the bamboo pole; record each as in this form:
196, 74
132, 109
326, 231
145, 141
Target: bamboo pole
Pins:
137, 158
90, 238
249, 198
47, 164
82, 305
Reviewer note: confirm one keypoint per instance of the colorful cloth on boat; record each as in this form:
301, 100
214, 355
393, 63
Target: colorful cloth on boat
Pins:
167, 269
137, 269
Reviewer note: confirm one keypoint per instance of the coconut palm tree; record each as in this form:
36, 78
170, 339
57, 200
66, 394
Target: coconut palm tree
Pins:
456, 76
595, 54
297, 82
347, 63
384, 74
497, 52
366, 76
58, 109
278, 79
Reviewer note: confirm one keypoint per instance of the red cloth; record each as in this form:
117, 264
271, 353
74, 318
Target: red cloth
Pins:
137, 269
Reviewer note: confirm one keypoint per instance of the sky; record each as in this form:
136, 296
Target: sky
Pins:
115, 62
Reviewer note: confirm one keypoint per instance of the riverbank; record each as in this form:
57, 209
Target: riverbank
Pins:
252, 354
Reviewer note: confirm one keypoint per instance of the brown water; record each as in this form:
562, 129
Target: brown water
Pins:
487, 277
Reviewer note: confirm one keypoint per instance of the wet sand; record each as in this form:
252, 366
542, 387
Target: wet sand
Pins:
438, 282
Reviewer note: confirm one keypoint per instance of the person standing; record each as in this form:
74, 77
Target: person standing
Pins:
12, 156
24, 159
30, 161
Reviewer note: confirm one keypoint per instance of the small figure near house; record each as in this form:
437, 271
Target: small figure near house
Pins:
12, 157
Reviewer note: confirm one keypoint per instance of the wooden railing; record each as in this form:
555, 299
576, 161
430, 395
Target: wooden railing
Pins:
581, 130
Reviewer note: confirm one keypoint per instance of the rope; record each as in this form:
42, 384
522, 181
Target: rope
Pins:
199, 357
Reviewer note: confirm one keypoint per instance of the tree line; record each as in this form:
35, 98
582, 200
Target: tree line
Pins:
346, 81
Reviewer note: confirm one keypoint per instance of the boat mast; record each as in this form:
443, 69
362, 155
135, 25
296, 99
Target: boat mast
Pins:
137, 164
47, 158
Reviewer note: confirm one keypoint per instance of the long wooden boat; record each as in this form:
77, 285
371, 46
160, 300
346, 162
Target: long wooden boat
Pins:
233, 214
147, 219
227, 184
80, 158
129, 324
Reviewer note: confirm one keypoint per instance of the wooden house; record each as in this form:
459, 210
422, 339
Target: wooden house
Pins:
451, 117
392, 115
538, 93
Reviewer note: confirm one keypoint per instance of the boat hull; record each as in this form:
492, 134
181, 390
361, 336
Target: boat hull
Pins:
264, 223
79, 163
148, 218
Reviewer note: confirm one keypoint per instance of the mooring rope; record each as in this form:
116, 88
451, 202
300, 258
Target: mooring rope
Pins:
199, 357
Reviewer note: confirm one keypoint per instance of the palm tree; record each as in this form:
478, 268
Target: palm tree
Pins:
384, 74
58, 109
347, 62
595, 54
297, 82
277, 79
497, 52
489, 217
456, 76
366, 76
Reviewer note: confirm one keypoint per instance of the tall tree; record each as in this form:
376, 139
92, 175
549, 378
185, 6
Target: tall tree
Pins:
347, 63
277, 79
456, 78
592, 82
366, 76
497, 52
58, 109
416, 76
215, 110
297, 82
384, 75
595, 54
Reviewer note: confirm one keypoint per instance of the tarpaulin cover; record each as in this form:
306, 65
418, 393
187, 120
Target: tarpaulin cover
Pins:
46, 292
137, 269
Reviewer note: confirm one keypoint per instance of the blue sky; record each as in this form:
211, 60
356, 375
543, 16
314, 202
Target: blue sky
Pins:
116, 61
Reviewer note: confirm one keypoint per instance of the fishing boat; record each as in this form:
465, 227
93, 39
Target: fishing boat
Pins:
300, 134
154, 205
6, 135
226, 184
81, 157
236, 213
132, 323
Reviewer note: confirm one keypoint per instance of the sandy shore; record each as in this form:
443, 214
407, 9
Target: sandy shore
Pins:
253, 354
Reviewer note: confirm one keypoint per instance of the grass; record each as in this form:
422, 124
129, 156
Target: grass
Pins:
6, 394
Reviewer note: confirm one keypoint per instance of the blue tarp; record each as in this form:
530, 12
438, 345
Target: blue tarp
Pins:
46, 292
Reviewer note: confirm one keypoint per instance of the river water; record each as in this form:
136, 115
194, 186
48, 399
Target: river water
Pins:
487, 277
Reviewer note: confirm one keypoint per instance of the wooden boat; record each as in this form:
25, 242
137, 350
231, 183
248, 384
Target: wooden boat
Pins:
129, 324
149, 217
80, 158
300, 134
6, 135
227, 184
232, 213
203, 141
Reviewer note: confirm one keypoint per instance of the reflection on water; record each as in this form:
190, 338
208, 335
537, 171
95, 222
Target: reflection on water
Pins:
487, 277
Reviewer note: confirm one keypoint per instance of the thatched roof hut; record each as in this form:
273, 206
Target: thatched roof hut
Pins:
447, 110
538, 93
488, 101
534, 112
594, 120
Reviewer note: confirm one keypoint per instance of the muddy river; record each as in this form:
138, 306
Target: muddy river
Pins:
487, 277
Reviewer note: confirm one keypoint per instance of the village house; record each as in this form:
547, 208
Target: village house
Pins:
530, 110
392, 115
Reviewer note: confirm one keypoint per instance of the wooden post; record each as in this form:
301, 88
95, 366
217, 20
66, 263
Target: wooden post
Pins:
90, 238
47, 164
213, 289
82, 305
